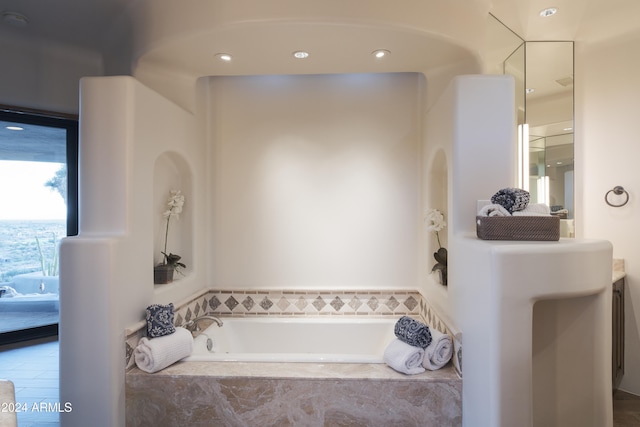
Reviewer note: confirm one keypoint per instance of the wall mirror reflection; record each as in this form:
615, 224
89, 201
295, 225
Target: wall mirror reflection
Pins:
543, 74
549, 115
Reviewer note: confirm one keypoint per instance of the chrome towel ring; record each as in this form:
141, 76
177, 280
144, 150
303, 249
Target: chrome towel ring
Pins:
617, 190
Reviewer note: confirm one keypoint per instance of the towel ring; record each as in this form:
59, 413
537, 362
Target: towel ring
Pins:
617, 190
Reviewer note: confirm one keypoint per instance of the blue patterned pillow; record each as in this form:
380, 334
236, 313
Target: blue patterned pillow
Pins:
160, 320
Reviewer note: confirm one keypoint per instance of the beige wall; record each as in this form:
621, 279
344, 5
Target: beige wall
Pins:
316, 181
607, 153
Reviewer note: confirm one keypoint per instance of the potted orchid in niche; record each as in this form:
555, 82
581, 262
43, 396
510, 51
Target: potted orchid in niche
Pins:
435, 222
163, 272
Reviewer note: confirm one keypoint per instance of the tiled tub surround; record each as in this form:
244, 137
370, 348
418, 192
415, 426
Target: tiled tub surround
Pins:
295, 303
291, 394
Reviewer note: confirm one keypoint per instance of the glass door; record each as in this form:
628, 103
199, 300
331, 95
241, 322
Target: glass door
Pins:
38, 169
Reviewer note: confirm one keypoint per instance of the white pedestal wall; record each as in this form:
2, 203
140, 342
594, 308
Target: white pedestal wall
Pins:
106, 272
494, 286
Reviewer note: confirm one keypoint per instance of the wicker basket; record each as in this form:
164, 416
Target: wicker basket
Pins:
545, 228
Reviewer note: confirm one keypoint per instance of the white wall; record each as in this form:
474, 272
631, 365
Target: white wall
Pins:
478, 142
135, 146
607, 153
316, 181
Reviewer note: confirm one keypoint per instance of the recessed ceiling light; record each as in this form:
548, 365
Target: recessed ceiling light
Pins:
223, 57
558, 163
14, 128
300, 54
14, 18
380, 53
529, 90
567, 129
550, 11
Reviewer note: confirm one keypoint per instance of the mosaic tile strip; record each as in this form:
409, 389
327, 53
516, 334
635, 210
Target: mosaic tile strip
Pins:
313, 303
431, 318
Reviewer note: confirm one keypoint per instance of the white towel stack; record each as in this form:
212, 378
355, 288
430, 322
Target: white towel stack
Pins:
532, 209
438, 352
155, 354
404, 358
410, 360
493, 210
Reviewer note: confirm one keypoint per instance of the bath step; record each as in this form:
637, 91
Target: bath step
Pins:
292, 394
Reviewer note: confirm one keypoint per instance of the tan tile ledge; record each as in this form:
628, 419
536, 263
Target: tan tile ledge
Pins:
373, 371
618, 270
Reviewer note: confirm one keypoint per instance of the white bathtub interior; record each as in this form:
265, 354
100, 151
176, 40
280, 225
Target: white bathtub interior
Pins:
324, 340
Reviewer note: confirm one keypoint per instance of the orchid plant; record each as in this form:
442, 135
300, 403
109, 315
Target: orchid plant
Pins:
436, 223
175, 202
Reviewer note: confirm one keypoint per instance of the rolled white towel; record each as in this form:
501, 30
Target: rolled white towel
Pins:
403, 357
155, 354
493, 210
534, 209
439, 352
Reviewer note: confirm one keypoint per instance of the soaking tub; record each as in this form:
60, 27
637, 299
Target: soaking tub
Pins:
326, 340
343, 381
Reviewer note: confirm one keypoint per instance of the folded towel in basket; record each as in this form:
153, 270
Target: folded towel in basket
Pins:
403, 357
493, 210
412, 332
534, 209
439, 352
155, 354
512, 199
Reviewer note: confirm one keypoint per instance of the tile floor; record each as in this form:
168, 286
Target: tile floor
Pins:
34, 371
626, 409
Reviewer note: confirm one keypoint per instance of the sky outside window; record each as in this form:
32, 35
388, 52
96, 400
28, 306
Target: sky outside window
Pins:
24, 194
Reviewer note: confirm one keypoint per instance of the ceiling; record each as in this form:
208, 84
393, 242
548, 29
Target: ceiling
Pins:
266, 47
76, 23
85, 23
32, 143
579, 20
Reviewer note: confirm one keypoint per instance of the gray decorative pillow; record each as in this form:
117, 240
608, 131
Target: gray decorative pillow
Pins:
512, 199
413, 332
160, 320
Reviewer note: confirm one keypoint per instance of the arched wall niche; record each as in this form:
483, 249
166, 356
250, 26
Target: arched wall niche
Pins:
172, 172
437, 197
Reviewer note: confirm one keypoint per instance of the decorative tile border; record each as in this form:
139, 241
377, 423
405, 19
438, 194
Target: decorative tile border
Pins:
430, 317
296, 303
312, 303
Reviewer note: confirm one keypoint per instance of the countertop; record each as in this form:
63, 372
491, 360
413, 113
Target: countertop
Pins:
618, 270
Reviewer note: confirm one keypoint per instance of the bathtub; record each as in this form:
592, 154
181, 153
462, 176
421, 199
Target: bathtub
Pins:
330, 389
267, 339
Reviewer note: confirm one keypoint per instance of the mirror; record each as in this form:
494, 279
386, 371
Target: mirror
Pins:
549, 115
543, 73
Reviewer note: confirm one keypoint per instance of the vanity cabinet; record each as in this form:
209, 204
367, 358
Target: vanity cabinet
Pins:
617, 356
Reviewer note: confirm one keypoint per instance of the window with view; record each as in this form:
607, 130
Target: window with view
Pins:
38, 164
